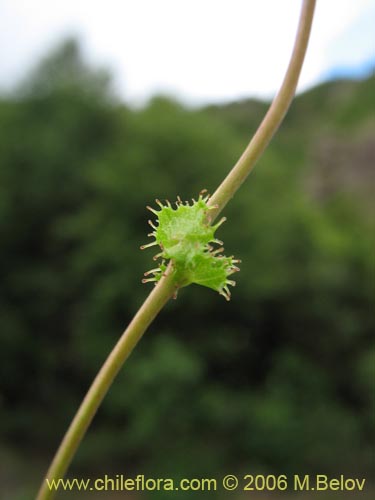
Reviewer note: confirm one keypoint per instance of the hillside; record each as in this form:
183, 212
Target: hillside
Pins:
280, 379
332, 127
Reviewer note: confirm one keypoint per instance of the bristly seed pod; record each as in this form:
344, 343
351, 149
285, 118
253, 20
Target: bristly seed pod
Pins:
186, 239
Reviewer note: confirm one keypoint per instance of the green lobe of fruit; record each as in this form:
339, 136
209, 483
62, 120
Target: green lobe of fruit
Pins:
186, 238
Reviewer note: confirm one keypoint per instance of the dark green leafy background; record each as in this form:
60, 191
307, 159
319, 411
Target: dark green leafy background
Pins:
280, 379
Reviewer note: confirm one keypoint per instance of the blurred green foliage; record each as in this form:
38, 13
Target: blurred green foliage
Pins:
282, 377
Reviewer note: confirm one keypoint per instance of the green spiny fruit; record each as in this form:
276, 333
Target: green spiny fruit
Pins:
186, 238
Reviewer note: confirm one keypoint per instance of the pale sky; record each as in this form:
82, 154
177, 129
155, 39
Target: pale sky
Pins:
198, 50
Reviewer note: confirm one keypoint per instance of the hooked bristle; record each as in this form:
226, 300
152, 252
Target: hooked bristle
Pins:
152, 210
152, 244
218, 250
225, 292
204, 195
221, 221
148, 280
152, 271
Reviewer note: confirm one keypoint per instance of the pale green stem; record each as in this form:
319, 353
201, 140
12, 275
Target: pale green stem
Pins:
273, 118
144, 317
165, 288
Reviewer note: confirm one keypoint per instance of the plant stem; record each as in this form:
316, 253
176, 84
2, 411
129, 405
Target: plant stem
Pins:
165, 287
144, 317
273, 118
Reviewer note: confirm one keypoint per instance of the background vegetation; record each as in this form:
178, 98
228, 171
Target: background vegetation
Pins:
281, 379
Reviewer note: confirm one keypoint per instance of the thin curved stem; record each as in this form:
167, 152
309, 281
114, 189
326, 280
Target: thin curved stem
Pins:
144, 317
273, 118
165, 288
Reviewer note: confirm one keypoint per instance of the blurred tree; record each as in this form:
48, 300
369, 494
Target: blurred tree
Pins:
65, 71
49, 138
280, 378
